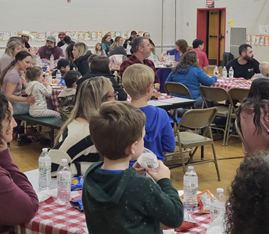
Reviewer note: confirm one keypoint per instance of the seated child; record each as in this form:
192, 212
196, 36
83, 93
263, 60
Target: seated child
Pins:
115, 197
138, 81
66, 98
264, 69
39, 87
63, 65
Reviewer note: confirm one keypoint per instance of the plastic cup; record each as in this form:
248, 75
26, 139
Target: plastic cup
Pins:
148, 160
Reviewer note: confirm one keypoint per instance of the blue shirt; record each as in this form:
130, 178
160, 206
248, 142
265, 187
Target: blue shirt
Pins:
174, 52
191, 80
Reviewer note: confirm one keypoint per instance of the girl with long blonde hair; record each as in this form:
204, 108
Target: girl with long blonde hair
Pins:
74, 136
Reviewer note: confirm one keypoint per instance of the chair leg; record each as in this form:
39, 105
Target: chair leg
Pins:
181, 153
228, 130
192, 153
215, 161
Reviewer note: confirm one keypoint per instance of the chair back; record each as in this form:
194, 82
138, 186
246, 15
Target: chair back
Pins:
214, 94
198, 118
238, 93
238, 130
174, 87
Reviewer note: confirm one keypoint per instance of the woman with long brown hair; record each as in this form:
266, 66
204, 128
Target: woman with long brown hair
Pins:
187, 72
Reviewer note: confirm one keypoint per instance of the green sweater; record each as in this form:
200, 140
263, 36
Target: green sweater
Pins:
129, 203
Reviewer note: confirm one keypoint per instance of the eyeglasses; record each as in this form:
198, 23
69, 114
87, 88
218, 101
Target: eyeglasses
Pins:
115, 95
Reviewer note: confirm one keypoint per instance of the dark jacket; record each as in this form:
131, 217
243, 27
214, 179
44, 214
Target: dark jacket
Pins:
122, 96
127, 41
82, 64
129, 203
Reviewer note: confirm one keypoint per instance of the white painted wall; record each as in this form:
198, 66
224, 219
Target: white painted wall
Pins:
247, 14
89, 15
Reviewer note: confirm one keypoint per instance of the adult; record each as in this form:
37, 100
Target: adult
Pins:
188, 73
141, 48
67, 41
61, 36
106, 43
11, 85
247, 206
14, 45
198, 46
129, 40
74, 136
50, 49
99, 66
81, 55
116, 47
245, 65
25, 36
18, 200
181, 48
253, 116
147, 35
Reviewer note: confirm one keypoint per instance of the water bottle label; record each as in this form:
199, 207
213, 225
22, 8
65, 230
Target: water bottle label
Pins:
45, 164
190, 182
65, 177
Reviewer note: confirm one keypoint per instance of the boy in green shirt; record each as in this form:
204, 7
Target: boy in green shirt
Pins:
116, 198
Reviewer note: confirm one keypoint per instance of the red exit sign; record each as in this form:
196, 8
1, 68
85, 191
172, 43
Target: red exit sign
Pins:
210, 3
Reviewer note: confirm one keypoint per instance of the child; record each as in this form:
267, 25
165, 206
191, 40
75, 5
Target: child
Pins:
63, 65
264, 69
116, 195
99, 50
39, 88
138, 81
66, 98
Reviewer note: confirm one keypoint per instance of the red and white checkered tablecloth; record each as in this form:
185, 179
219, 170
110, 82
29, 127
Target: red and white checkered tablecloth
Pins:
203, 221
52, 218
55, 93
228, 84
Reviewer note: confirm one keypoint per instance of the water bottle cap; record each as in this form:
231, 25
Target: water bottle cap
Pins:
45, 150
220, 190
64, 160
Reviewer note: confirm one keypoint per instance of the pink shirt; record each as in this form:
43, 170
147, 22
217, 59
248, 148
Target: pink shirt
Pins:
203, 61
254, 140
13, 77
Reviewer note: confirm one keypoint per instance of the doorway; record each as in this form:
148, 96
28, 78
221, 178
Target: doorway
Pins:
211, 27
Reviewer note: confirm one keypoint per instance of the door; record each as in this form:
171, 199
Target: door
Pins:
211, 29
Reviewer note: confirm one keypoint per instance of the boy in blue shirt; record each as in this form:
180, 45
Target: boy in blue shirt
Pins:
115, 197
138, 81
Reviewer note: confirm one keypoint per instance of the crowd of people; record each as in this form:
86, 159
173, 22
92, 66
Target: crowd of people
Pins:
101, 128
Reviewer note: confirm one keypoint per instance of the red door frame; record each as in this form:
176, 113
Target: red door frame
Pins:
201, 25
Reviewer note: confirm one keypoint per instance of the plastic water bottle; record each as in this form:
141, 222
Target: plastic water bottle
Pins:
44, 162
190, 186
231, 72
218, 204
51, 62
38, 61
58, 76
216, 71
63, 183
224, 72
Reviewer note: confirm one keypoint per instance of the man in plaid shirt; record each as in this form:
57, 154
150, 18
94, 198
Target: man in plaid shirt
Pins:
141, 49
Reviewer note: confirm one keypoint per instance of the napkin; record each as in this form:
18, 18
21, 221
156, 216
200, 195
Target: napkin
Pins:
46, 194
216, 226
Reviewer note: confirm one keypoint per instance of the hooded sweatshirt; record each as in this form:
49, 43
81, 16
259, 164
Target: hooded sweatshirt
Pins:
125, 202
159, 135
82, 63
192, 80
40, 92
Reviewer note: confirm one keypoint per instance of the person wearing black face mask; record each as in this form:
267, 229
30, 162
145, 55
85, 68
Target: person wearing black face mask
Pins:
245, 65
